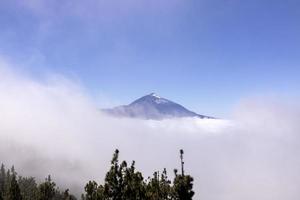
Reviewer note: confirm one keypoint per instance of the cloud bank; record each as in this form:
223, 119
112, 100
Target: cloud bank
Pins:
53, 127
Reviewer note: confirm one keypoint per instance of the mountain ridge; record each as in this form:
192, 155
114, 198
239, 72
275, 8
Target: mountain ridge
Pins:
152, 106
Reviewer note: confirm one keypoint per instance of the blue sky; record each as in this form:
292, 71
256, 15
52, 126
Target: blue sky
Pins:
204, 54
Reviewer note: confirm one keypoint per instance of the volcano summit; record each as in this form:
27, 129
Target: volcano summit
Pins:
154, 107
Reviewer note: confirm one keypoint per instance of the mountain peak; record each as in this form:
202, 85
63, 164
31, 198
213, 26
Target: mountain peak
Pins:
152, 106
154, 95
152, 98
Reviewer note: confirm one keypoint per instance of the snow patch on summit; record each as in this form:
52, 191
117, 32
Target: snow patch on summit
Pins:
161, 100
155, 95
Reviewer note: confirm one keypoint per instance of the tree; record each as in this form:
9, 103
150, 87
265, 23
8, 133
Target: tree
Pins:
91, 190
6, 184
14, 190
2, 178
2, 181
47, 189
25, 188
113, 187
159, 187
134, 187
153, 189
165, 185
28, 188
67, 195
125, 183
183, 184
101, 193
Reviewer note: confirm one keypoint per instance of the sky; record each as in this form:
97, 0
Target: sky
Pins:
204, 54
61, 60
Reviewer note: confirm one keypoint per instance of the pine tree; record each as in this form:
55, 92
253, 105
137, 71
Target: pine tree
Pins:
134, 187
7, 184
91, 190
2, 181
159, 187
14, 190
125, 183
47, 189
153, 187
183, 184
2, 178
101, 193
67, 195
28, 188
113, 187
165, 186
13, 171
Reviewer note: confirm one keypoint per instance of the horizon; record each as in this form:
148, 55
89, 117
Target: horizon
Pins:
206, 55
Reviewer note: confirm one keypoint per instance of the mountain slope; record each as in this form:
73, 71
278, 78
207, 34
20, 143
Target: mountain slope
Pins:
154, 107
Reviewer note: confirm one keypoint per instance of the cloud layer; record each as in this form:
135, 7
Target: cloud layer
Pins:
53, 127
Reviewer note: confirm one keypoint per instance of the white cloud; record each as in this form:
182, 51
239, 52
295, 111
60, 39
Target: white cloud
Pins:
54, 127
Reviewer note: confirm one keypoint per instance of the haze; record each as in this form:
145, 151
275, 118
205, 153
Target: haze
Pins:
53, 127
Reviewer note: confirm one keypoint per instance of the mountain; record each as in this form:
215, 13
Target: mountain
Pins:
154, 107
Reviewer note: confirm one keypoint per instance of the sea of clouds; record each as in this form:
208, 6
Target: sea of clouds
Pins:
54, 127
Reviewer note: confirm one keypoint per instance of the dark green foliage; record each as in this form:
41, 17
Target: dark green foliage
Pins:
165, 185
14, 190
113, 186
91, 190
101, 193
46, 190
125, 183
2, 181
28, 188
183, 186
134, 187
153, 188
67, 196
7, 184
122, 182
159, 187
